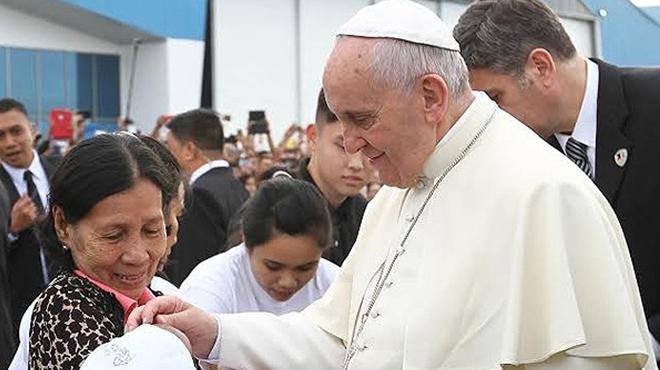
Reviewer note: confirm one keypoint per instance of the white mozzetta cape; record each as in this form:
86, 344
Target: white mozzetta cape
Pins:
516, 257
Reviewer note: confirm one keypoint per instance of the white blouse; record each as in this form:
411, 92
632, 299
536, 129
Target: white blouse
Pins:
225, 284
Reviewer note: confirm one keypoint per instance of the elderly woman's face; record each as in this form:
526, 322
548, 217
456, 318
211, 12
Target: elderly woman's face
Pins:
121, 240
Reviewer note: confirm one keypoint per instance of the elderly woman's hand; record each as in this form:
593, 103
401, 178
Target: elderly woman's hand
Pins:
200, 328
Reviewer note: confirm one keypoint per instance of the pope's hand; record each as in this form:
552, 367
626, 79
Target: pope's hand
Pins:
198, 326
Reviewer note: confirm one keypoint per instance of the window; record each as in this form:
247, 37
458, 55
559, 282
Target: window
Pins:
45, 79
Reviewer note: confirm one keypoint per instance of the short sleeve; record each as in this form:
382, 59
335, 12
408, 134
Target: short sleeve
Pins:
67, 325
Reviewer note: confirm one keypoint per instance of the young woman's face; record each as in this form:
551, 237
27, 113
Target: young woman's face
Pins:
284, 264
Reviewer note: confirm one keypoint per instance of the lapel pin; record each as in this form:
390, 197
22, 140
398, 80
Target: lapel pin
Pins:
620, 157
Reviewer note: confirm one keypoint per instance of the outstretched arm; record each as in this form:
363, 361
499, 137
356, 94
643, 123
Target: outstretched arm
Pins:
247, 340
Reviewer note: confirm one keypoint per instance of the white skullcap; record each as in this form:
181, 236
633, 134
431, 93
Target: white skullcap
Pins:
147, 347
403, 20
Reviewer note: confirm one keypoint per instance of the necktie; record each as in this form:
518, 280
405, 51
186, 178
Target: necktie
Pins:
32, 191
34, 195
577, 152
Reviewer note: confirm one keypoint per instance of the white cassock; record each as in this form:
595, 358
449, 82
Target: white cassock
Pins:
516, 259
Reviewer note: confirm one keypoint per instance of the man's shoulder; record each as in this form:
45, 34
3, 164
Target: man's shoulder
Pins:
215, 176
48, 165
635, 80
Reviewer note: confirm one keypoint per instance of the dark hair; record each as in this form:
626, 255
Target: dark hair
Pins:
323, 113
85, 114
171, 166
94, 170
289, 206
8, 104
201, 126
500, 34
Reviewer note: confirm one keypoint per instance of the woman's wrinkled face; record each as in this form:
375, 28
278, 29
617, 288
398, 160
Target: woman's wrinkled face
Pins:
121, 240
284, 264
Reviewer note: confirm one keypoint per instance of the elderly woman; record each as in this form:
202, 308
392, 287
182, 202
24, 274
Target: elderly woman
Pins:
107, 209
158, 284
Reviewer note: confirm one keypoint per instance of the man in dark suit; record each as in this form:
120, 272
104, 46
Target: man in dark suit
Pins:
25, 177
196, 140
604, 118
7, 333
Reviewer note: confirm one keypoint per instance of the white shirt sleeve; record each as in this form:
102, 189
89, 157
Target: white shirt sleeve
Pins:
260, 340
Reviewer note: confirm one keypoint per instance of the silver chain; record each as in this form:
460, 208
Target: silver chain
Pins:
384, 272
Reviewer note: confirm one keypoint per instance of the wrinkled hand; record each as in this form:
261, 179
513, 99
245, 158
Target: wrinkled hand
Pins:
200, 328
24, 214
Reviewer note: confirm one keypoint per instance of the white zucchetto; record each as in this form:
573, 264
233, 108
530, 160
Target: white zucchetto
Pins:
403, 20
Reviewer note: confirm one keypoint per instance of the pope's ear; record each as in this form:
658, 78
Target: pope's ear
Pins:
436, 97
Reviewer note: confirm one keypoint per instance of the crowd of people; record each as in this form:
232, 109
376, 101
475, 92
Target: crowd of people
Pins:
515, 229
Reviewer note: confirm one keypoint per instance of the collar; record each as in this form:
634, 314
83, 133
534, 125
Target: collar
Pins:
458, 136
127, 303
206, 167
585, 126
35, 167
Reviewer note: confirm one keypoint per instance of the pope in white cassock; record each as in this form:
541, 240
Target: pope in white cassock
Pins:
488, 250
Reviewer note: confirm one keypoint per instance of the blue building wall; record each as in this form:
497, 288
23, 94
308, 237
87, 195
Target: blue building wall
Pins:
654, 12
183, 19
44, 80
630, 37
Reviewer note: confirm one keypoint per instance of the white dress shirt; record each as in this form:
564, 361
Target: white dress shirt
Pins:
206, 167
38, 175
585, 127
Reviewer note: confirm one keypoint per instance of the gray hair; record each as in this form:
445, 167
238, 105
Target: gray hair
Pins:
397, 64
499, 34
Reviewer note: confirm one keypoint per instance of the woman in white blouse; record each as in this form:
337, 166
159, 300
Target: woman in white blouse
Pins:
278, 269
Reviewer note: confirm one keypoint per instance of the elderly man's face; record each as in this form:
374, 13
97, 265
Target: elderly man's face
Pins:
386, 126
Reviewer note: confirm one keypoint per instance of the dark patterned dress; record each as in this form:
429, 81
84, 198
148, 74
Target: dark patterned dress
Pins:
70, 319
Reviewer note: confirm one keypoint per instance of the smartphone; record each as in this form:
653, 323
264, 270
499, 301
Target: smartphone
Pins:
257, 122
61, 120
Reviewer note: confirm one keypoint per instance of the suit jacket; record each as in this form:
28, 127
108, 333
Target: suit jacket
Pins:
628, 119
7, 333
25, 275
216, 196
